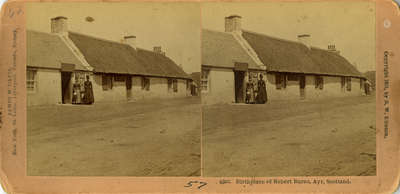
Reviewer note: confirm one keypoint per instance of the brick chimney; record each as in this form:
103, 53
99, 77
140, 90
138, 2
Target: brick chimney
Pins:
59, 25
304, 39
332, 48
130, 40
233, 23
157, 49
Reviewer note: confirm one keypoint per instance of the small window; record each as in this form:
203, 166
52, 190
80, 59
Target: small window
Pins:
343, 82
280, 81
319, 82
31, 80
107, 82
205, 84
348, 83
145, 83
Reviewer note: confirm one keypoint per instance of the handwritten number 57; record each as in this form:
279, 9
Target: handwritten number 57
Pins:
201, 184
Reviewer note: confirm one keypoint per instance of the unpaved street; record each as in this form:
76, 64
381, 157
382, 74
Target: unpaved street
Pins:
331, 137
149, 138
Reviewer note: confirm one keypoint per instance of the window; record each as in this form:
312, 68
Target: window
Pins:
343, 82
31, 80
107, 82
172, 85
205, 84
348, 83
145, 83
319, 82
280, 81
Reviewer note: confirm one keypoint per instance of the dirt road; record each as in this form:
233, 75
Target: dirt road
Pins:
309, 138
150, 138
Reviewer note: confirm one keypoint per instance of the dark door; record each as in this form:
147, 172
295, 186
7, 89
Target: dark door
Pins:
239, 86
128, 87
302, 82
65, 87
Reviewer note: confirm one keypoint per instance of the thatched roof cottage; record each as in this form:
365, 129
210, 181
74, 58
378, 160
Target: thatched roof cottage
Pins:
119, 71
291, 70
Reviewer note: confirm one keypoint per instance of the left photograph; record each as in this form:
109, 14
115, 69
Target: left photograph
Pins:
113, 89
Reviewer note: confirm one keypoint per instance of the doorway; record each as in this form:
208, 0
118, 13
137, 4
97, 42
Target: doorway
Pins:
302, 82
128, 83
239, 86
65, 87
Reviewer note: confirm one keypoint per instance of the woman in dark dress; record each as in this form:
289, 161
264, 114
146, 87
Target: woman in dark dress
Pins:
262, 91
88, 95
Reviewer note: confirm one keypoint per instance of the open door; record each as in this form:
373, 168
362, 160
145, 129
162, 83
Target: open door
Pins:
239, 86
66, 87
128, 87
302, 82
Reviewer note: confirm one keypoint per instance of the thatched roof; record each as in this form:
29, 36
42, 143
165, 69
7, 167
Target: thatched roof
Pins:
49, 51
288, 56
107, 56
220, 49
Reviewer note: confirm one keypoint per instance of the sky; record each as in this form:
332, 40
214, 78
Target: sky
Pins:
173, 26
348, 25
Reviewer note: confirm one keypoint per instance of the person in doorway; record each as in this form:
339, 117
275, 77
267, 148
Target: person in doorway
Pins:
249, 93
88, 97
261, 91
76, 92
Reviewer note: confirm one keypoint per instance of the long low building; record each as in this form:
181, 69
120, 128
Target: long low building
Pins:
119, 71
290, 69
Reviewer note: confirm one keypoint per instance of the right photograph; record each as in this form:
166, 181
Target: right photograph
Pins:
288, 89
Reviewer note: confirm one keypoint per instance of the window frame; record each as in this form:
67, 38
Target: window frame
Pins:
32, 81
107, 82
145, 81
205, 80
348, 84
319, 82
280, 81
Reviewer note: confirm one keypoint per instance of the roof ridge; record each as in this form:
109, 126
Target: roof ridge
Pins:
113, 41
273, 37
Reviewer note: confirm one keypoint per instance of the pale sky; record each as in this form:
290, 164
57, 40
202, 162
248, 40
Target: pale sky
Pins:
173, 26
348, 25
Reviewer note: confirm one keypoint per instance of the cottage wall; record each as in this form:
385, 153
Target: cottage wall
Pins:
48, 88
292, 90
331, 88
158, 89
221, 87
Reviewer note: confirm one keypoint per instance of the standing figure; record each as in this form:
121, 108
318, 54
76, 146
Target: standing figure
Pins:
249, 93
76, 92
88, 97
261, 91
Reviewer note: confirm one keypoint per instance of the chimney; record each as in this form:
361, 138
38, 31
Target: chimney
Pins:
233, 23
130, 40
59, 25
304, 39
332, 48
157, 49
